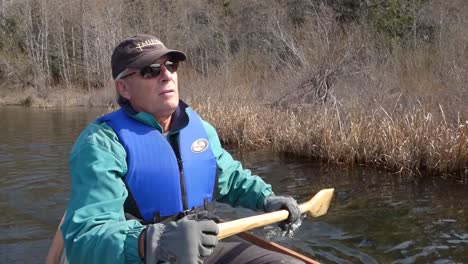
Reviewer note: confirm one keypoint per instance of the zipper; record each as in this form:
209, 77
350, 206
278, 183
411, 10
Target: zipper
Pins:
173, 140
182, 184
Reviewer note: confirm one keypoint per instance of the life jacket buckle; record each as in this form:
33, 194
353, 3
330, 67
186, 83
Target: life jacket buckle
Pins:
186, 212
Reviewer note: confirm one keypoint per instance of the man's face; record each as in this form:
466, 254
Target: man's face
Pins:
158, 95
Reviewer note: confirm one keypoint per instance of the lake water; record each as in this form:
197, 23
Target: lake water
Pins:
374, 218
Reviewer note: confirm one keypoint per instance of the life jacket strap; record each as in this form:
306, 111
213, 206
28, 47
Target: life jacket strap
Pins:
207, 206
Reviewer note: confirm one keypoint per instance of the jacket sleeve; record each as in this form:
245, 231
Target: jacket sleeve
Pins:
95, 229
236, 186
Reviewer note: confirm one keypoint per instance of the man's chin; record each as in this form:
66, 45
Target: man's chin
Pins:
169, 106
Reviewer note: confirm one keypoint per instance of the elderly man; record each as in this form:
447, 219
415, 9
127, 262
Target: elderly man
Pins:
145, 177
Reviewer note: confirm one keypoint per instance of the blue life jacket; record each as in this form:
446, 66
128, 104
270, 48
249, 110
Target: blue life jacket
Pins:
158, 187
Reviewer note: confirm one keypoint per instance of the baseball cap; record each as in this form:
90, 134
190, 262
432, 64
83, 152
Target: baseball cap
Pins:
139, 51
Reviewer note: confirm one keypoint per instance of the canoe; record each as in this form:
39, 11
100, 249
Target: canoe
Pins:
55, 254
266, 244
316, 206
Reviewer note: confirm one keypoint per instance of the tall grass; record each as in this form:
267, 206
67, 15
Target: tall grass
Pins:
416, 142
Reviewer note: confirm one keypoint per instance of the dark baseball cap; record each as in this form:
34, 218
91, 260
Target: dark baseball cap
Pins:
139, 51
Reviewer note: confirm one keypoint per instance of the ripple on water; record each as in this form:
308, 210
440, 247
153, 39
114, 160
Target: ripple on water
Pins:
421, 254
322, 241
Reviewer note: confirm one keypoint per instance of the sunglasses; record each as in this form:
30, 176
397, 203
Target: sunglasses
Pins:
151, 71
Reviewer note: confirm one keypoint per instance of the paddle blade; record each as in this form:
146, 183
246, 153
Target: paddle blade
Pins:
319, 204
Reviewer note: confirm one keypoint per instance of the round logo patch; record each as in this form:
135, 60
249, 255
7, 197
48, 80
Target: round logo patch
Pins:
199, 145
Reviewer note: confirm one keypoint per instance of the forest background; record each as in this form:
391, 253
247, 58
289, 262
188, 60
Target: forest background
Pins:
376, 82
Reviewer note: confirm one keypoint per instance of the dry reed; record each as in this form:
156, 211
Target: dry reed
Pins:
413, 143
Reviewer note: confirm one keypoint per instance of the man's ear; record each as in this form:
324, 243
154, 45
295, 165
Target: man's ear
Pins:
122, 89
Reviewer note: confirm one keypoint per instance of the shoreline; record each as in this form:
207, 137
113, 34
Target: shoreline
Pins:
408, 144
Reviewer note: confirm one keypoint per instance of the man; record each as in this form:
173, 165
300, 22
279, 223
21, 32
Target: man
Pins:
145, 177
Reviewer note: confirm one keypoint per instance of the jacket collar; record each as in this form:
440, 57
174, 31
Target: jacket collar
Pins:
179, 117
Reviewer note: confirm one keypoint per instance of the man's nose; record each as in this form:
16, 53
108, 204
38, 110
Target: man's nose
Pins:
165, 74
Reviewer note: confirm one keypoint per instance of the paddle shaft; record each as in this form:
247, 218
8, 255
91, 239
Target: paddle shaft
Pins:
230, 228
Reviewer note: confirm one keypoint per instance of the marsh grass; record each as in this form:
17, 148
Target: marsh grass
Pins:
414, 143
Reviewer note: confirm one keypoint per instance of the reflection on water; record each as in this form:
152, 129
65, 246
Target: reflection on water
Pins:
374, 217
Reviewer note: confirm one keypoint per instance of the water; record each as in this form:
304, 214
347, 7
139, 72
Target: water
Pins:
374, 218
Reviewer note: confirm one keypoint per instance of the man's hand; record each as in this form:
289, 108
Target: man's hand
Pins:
275, 203
184, 241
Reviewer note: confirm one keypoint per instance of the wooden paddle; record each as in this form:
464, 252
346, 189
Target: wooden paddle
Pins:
316, 206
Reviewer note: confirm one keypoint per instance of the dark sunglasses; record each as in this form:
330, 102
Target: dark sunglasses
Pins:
152, 71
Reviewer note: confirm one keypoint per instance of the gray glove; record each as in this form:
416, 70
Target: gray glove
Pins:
275, 203
184, 241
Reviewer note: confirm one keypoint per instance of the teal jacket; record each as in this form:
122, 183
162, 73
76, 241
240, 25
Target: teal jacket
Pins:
95, 229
